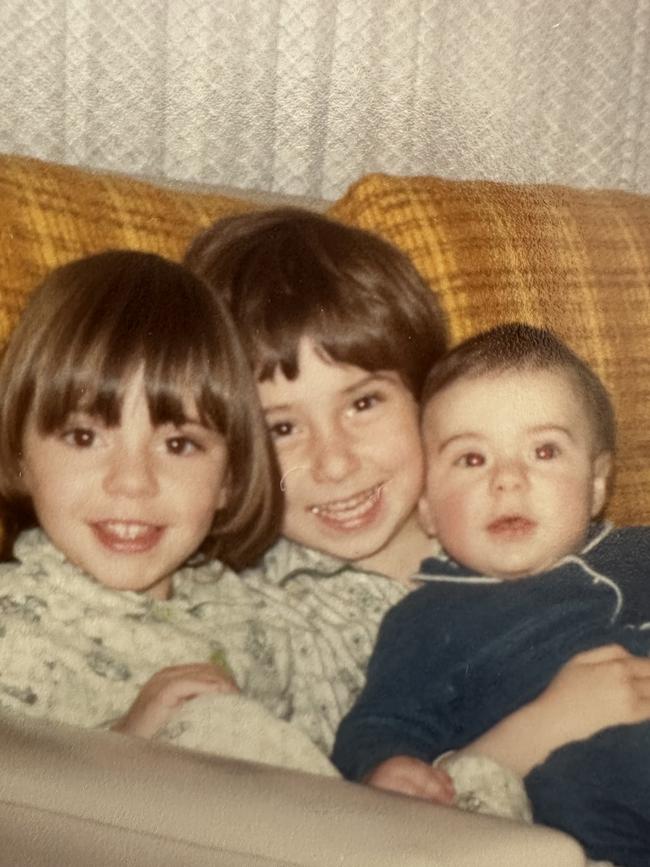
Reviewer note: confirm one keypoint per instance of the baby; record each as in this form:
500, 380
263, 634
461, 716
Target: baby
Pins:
519, 435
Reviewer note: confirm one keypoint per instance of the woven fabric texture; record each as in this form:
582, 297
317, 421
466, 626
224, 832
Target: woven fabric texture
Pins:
50, 214
573, 260
305, 96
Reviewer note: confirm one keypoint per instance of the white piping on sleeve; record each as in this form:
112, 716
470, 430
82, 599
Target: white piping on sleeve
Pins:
460, 579
599, 578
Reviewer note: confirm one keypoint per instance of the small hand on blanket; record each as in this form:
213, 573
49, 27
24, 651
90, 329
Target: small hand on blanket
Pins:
166, 691
473, 783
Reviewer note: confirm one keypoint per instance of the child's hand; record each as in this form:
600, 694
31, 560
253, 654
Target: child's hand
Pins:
163, 693
413, 777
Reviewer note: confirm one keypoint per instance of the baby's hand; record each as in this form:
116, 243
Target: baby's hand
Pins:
163, 693
413, 777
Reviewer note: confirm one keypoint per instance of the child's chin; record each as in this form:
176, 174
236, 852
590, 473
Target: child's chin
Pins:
515, 571
513, 576
511, 571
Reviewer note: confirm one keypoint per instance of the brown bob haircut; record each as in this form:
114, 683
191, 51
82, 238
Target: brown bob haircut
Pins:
289, 273
93, 323
517, 346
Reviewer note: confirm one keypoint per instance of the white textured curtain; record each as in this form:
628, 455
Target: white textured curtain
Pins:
304, 96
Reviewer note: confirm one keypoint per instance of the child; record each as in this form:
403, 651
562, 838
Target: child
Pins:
519, 436
131, 443
341, 331
328, 310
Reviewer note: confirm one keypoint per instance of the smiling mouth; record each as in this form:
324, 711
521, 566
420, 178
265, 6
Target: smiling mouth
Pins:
128, 537
352, 512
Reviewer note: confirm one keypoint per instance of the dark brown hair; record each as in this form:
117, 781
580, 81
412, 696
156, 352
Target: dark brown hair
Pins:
93, 323
517, 346
290, 273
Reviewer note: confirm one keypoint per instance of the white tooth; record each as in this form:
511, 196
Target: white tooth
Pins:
126, 531
342, 509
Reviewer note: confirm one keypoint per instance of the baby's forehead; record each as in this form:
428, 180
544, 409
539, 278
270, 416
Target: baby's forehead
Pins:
514, 392
497, 378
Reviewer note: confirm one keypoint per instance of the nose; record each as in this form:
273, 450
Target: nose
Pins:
131, 473
509, 475
334, 456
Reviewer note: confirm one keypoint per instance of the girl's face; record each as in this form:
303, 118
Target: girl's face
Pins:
127, 504
349, 449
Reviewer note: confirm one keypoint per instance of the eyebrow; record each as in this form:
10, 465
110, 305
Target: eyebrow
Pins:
379, 375
78, 415
536, 429
552, 428
363, 382
189, 422
466, 435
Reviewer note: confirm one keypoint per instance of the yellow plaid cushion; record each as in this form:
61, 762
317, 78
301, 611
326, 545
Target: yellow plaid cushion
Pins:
577, 261
50, 214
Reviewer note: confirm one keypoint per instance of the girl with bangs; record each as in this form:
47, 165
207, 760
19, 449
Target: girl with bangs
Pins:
340, 331
131, 449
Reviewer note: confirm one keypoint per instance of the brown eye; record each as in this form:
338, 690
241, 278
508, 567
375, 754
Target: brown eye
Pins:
367, 401
80, 437
471, 459
547, 452
281, 429
182, 446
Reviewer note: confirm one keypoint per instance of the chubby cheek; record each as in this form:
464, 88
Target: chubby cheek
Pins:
568, 507
453, 520
407, 459
53, 498
200, 496
400, 447
298, 489
199, 521
568, 496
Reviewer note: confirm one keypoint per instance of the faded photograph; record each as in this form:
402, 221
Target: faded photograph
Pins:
324, 433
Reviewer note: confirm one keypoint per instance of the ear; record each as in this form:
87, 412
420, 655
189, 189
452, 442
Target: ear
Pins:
602, 469
425, 515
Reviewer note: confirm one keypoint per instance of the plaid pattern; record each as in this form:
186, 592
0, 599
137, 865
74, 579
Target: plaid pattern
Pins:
51, 214
577, 261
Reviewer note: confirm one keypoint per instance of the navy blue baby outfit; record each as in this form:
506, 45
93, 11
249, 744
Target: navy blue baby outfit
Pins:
463, 651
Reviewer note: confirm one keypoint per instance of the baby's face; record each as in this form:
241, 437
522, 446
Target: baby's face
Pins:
512, 481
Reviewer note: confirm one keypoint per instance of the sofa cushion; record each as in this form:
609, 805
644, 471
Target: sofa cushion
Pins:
51, 214
77, 797
577, 261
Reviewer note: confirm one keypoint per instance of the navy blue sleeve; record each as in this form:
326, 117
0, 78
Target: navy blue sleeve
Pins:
624, 556
408, 704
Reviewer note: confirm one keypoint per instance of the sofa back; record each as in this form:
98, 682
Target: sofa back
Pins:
577, 261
